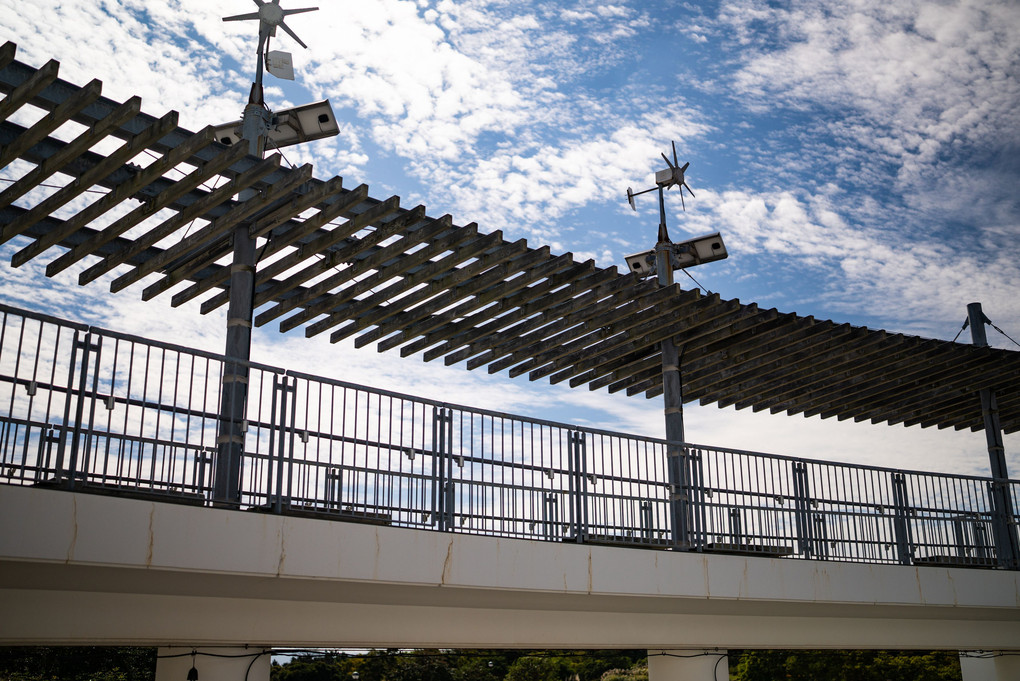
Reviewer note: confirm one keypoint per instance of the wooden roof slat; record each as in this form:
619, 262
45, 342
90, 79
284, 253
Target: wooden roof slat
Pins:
344, 201
465, 282
549, 321
47, 167
508, 310
439, 236
569, 326
211, 243
145, 210
333, 258
432, 278
7, 53
442, 323
47, 124
116, 196
220, 195
80, 184
652, 332
31, 87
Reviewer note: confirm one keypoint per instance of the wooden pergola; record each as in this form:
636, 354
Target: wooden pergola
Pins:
333, 259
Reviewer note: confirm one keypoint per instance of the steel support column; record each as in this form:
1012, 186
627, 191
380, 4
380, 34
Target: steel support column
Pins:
1003, 519
672, 396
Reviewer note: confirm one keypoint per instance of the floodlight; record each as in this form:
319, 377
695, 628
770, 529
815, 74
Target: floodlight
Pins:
290, 126
699, 251
642, 264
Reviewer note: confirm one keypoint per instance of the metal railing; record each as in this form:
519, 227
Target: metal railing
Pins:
90, 410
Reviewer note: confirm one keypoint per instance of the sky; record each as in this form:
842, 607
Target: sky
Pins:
859, 157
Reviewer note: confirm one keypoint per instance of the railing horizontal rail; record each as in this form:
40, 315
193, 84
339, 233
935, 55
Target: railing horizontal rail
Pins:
93, 410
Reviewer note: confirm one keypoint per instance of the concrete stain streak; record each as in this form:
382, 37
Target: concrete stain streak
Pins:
152, 535
283, 549
74, 529
448, 563
590, 580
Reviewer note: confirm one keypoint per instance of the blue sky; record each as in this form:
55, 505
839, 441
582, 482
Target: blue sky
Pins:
859, 157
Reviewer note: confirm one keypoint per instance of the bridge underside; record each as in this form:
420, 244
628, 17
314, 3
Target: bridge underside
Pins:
335, 259
101, 570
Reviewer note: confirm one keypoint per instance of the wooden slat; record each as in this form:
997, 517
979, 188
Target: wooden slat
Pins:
203, 247
343, 201
454, 236
82, 183
442, 292
145, 210
47, 124
7, 53
35, 84
70, 151
480, 299
362, 313
94, 211
220, 195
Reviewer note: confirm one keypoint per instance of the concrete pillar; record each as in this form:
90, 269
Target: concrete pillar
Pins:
687, 665
213, 664
1001, 668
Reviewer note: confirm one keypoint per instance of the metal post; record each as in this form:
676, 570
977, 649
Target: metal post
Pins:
1006, 542
234, 397
672, 396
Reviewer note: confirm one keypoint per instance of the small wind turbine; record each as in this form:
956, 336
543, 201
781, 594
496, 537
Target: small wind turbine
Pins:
270, 16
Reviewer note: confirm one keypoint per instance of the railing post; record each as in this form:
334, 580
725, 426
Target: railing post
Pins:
87, 348
690, 507
901, 519
577, 460
283, 387
443, 500
802, 504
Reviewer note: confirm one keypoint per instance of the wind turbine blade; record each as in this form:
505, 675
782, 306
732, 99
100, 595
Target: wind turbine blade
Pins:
686, 166
666, 159
682, 204
675, 162
288, 12
688, 189
242, 17
293, 35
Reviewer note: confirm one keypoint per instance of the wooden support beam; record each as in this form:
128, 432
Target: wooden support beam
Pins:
47, 124
441, 324
145, 210
7, 53
220, 195
80, 184
24, 93
202, 248
451, 238
446, 291
362, 313
539, 329
116, 196
293, 237
331, 259
78, 146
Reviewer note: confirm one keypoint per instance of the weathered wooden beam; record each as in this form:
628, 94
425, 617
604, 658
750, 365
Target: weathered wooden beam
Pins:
67, 153
80, 184
512, 346
202, 248
118, 195
361, 264
344, 201
508, 310
35, 84
170, 225
47, 124
145, 210
362, 313
481, 299
444, 292
7, 53
330, 259
453, 236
